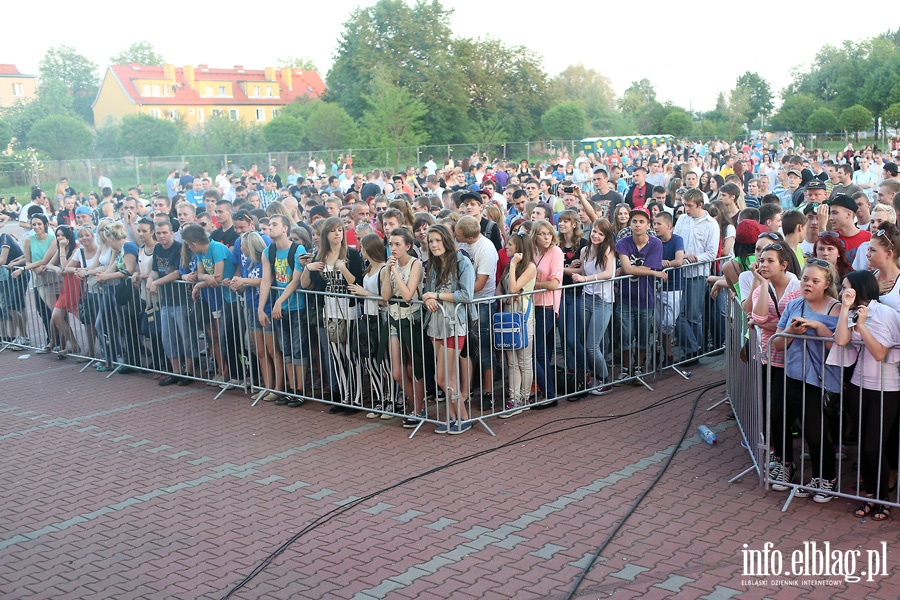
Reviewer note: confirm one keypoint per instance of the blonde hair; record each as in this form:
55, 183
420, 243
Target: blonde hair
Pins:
887, 210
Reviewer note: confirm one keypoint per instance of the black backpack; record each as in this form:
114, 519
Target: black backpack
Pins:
292, 256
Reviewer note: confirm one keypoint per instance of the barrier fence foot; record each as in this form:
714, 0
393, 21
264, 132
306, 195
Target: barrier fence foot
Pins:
259, 396
644, 383
789, 499
725, 399
485, 425
114, 371
90, 363
743, 474
416, 430
683, 373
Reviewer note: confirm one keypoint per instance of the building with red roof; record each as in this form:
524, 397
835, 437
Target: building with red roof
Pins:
194, 94
15, 86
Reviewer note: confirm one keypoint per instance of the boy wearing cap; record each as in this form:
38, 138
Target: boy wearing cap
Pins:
842, 212
641, 257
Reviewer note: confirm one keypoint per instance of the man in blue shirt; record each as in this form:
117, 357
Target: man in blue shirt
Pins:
670, 299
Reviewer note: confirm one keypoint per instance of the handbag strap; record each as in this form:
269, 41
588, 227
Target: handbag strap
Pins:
774, 299
528, 311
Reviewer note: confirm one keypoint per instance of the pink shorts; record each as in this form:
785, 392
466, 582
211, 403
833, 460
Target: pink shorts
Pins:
456, 342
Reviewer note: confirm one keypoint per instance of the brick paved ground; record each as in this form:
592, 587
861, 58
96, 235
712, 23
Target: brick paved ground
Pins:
116, 488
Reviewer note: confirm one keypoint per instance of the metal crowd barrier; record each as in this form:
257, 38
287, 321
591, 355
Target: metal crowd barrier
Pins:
743, 385
844, 432
589, 346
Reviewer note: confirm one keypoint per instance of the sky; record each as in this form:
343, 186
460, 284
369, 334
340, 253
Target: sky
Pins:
688, 52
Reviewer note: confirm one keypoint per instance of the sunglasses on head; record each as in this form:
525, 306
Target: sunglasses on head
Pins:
833, 234
882, 233
818, 262
776, 247
770, 235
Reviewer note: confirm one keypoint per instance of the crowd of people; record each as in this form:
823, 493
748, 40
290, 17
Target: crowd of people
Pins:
378, 290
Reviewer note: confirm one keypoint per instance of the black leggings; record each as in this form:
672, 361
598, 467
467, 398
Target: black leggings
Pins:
782, 414
878, 416
809, 401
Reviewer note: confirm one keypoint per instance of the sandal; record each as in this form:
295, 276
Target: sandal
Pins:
864, 510
882, 512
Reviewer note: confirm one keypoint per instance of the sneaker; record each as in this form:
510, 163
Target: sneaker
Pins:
825, 486
44, 350
282, 401
295, 402
781, 475
185, 382
602, 390
445, 427
487, 401
511, 409
620, 380
457, 428
439, 396
375, 415
388, 408
808, 490
412, 422
271, 397
170, 380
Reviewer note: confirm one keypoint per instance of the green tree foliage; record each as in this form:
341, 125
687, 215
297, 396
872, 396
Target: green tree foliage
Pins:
78, 75
856, 118
52, 99
142, 53
394, 118
221, 135
411, 46
295, 62
891, 116
143, 135
505, 86
637, 96
678, 123
759, 96
650, 117
285, 133
106, 140
329, 127
565, 121
822, 120
794, 112
737, 108
6, 135
61, 137
590, 90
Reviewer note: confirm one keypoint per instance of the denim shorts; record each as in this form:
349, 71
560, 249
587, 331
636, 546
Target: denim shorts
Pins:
292, 336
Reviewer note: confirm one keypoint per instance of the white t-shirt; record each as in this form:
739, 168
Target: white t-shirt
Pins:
485, 256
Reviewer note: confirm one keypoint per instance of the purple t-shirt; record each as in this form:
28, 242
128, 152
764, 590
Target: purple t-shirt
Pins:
639, 291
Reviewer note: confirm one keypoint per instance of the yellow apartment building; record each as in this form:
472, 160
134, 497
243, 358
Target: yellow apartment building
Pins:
15, 86
195, 94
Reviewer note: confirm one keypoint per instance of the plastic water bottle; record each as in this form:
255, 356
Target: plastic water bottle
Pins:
707, 434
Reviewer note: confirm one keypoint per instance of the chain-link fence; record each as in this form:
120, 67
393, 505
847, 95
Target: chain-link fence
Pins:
82, 174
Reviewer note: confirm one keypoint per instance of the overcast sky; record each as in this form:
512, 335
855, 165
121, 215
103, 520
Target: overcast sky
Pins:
686, 50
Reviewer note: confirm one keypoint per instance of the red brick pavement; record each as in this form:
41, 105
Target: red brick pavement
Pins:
116, 488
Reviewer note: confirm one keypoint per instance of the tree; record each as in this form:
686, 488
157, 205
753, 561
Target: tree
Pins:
564, 121
822, 120
505, 86
589, 89
759, 96
650, 117
411, 46
61, 137
221, 135
52, 99
855, 119
330, 127
678, 123
891, 116
141, 53
285, 133
639, 94
300, 63
106, 140
882, 86
6, 135
143, 135
794, 112
394, 118
76, 73
736, 109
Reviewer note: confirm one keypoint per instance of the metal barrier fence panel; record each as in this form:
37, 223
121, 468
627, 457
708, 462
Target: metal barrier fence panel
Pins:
845, 433
351, 353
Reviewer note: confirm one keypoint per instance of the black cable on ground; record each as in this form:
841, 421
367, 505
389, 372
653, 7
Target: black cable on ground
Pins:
639, 499
336, 512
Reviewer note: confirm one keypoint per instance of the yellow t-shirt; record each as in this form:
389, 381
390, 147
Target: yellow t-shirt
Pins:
726, 171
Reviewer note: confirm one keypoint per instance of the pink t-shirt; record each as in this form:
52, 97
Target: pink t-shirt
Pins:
549, 266
791, 292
